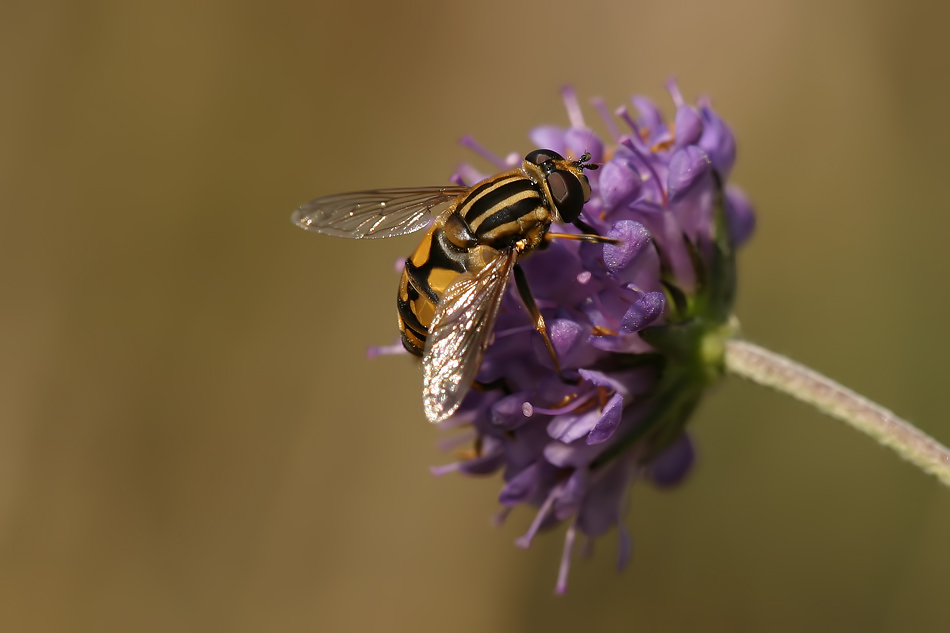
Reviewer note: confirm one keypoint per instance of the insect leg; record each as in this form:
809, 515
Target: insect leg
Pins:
528, 298
581, 237
585, 227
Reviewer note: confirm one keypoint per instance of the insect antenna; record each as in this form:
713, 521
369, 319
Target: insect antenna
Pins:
584, 162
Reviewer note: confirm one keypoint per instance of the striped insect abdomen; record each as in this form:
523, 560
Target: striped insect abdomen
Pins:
494, 214
427, 273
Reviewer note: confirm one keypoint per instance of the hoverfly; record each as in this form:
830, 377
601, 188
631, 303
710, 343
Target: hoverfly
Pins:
453, 284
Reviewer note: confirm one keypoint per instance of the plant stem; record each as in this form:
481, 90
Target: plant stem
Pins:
782, 374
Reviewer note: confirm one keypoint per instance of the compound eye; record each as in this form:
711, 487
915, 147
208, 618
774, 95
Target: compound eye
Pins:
541, 156
568, 194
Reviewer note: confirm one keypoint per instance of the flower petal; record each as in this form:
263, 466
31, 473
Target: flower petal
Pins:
689, 126
520, 487
739, 216
484, 465
548, 137
618, 184
633, 238
624, 547
508, 412
687, 167
580, 140
570, 455
602, 504
605, 427
717, 141
672, 465
601, 379
645, 311
569, 427
651, 119
569, 501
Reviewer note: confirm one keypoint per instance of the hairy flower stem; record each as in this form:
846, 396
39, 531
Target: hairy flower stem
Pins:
782, 374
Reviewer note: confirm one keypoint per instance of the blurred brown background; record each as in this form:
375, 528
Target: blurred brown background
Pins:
191, 438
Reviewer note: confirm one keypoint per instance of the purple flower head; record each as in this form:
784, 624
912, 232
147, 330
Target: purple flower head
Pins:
636, 324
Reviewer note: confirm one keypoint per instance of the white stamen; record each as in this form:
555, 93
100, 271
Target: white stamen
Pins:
601, 106
481, 150
524, 542
573, 107
385, 350
673, 88
457, 440
445, 469
561, 587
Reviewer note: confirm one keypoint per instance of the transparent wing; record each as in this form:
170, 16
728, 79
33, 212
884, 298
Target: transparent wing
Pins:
461, 330
375, 213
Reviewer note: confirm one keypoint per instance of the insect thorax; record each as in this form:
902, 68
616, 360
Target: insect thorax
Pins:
504, 210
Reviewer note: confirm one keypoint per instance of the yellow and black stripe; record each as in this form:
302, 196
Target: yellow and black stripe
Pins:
500, 210
497, 213
426, 275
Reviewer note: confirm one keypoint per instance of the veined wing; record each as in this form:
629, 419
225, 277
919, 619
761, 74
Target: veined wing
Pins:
375, 213
460, 331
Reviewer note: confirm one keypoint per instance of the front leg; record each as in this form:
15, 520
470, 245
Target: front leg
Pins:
525, 291
581, 237
589, 234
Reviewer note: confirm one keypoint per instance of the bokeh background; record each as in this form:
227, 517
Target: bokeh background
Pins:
191, 436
